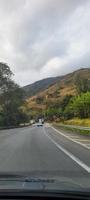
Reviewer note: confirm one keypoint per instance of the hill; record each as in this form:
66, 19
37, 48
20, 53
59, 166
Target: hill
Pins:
69, 85
38, 86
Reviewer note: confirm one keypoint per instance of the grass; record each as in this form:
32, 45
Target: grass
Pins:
78, 122
70, 129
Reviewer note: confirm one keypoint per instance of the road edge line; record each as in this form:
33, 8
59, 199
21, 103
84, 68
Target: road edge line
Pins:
69, 138
70, 155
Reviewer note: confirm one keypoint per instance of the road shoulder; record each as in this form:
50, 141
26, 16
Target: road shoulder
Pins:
83, 140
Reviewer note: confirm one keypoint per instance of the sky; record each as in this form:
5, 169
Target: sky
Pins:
44, 38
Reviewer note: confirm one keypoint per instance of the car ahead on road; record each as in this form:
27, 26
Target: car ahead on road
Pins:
39, 124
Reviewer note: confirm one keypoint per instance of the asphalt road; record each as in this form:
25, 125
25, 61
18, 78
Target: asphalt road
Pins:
41, 151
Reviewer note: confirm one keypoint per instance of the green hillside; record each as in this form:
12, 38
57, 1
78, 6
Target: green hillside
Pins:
59, 93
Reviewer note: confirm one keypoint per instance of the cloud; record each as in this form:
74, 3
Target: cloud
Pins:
44, 38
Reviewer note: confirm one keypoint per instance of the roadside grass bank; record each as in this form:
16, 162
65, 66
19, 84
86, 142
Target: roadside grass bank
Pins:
65, 128
78, 122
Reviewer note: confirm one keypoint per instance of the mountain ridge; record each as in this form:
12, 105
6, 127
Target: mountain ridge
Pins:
43, 84
38, 86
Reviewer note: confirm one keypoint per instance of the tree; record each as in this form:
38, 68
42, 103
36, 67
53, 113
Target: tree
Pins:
79, 106
39, 100
11, 98
83, 85
52, 113
65, 101
5, 76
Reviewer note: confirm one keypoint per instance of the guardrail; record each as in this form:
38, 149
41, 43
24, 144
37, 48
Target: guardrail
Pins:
12, 127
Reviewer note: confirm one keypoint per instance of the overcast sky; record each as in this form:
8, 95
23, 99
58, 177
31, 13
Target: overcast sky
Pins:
42, 38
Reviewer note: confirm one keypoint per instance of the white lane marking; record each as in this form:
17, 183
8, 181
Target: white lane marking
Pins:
73, 136
69, 138
77, 160
83, 140
88, 144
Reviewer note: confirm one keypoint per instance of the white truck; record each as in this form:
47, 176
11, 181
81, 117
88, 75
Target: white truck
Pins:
40, 122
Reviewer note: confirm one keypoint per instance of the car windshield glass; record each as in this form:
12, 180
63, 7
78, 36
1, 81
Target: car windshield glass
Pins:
45, 95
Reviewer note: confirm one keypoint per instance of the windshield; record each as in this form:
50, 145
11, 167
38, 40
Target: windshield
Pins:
45, 95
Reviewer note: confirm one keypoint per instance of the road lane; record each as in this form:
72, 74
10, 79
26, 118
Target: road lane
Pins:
70, 155
74, 148
29, 150
75, 137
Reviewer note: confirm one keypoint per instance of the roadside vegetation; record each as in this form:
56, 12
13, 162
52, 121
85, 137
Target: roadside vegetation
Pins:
12, 103
71, 110
78, 122
71, 129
